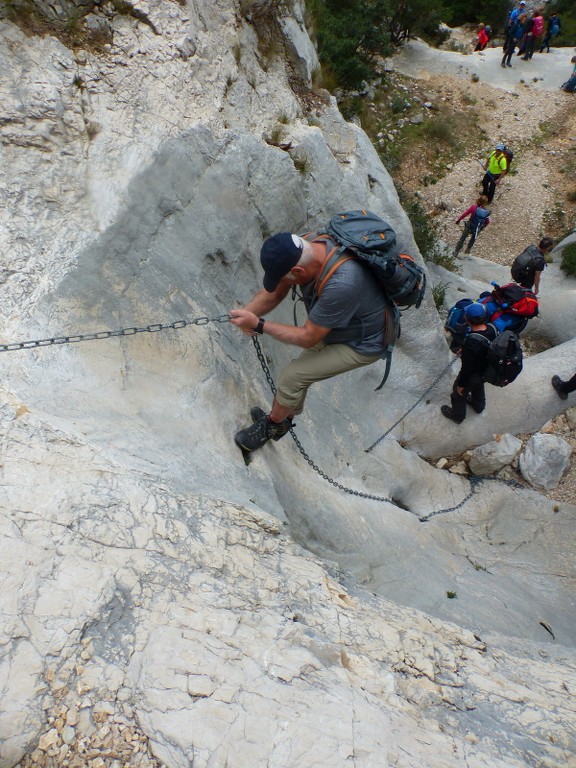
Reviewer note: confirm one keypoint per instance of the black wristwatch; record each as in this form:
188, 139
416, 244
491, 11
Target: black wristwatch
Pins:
260, 327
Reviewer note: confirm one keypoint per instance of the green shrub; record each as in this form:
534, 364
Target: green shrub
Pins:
424, 228
568, 263
439, 294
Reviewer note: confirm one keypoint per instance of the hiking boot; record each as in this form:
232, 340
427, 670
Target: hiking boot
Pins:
468, 250
254, 437
508, 64
557, 384
449, 413
502, 64
256, 413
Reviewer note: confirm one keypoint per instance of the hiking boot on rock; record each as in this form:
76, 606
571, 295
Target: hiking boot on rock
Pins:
263, 429
449, 413
557, 383
256, 413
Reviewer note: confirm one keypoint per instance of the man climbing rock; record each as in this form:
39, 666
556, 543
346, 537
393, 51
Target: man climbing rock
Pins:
345, 328
468, 388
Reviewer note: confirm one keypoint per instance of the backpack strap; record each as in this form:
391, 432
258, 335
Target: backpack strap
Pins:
334, 259
391, 334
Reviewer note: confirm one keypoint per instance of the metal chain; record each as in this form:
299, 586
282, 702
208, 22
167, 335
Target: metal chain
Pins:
436, 380
299, 445
153, 328
474, 481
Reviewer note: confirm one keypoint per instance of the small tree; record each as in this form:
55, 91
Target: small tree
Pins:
351, 36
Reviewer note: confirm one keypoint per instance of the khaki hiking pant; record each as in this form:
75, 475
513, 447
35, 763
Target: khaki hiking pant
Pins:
316, 364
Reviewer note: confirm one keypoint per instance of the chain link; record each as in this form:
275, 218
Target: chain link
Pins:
436, 380
474, 483
73, 339
299, 445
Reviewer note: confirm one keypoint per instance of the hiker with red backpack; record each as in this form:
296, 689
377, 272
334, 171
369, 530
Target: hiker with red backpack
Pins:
534, 35
528, 266
479, 219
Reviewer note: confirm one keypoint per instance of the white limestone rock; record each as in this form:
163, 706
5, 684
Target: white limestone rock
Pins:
544, 460
495, 455
224, 614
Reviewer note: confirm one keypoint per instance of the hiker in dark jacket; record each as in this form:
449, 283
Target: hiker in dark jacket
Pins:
528, 34
527, 268
479, 218
345, 328
468, 388
553, 29
563, 388
513, 37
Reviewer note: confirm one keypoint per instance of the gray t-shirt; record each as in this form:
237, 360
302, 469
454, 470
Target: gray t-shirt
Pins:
353, 305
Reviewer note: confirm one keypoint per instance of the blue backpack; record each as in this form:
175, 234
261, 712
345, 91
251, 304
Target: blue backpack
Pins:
478, 220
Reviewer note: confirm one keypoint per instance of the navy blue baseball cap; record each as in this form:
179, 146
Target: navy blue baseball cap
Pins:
475, 311
278, 255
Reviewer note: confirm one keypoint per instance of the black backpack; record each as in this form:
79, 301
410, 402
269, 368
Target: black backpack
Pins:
504, 358
524, 263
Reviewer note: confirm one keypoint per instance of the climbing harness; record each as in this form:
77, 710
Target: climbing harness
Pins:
474, 481
153, 328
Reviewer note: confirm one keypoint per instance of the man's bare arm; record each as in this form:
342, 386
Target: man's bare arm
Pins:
305, 336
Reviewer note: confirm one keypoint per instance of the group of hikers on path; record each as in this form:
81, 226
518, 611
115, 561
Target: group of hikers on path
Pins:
528, 30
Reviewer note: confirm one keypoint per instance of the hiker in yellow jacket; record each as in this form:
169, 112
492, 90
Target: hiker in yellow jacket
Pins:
496, 168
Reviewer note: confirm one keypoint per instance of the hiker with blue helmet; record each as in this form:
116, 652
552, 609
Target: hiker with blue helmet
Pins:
496, 168
479, 218
468, 387
345, 328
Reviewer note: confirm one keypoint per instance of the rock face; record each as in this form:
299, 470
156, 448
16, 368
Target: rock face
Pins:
156, 592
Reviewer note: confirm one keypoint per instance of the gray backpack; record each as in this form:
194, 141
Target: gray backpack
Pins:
524, 263
372, 241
